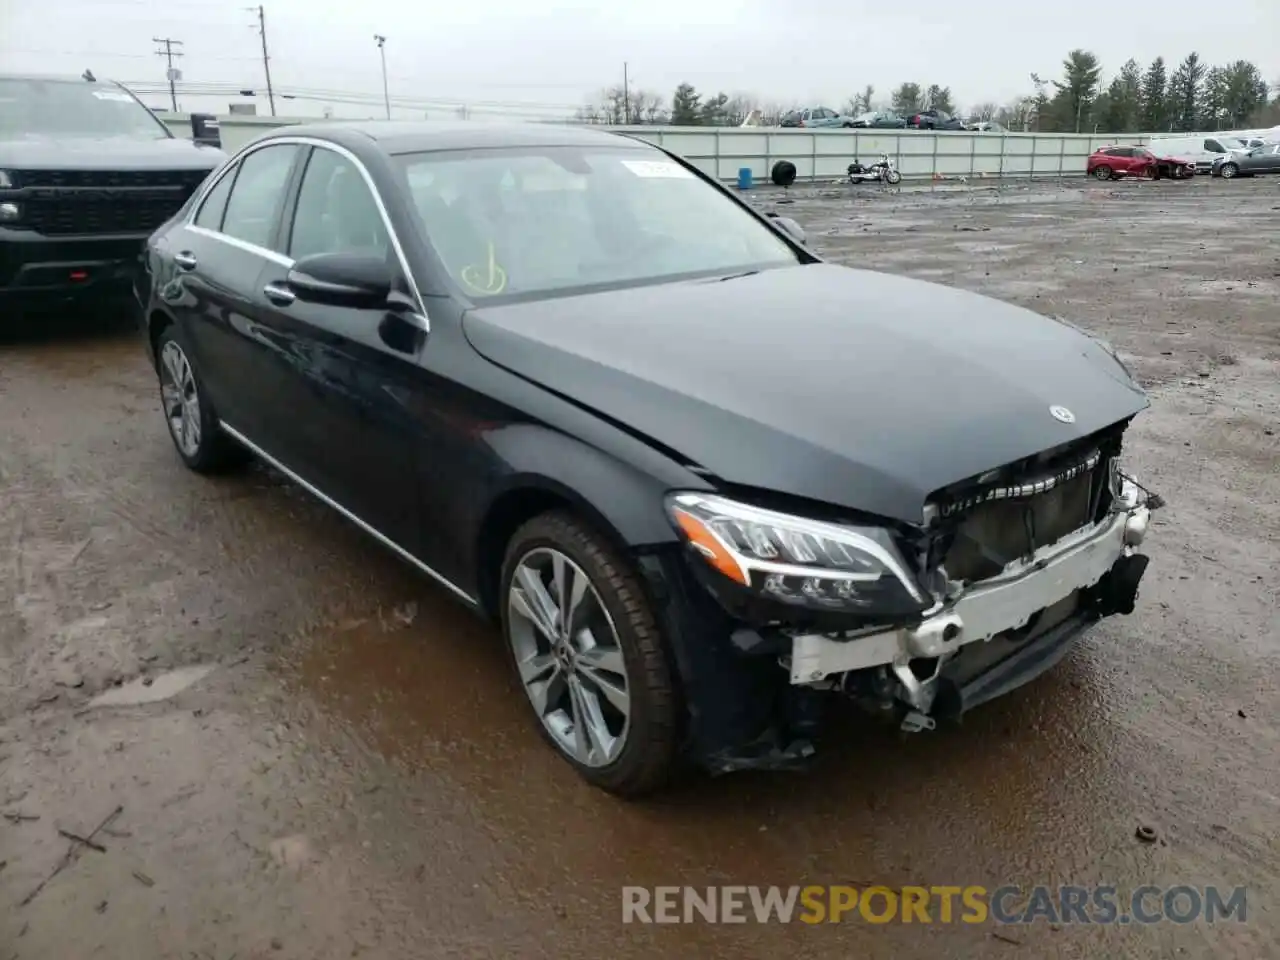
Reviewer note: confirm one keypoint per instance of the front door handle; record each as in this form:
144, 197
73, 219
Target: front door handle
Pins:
279, 294
186, 260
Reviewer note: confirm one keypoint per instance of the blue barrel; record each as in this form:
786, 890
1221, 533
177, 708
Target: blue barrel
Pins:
744, 178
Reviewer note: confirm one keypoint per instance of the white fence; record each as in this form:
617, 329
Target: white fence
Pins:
820, 154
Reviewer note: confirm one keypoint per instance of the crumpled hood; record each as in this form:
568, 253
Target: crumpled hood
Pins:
31, 152
860, 389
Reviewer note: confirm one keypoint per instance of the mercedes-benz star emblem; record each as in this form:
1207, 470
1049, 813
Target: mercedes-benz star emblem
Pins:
1062, 413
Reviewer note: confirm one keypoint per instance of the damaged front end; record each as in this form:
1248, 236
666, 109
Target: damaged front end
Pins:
1002, 575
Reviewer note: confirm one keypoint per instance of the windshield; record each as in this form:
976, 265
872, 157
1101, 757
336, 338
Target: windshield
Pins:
73, 108
543, 221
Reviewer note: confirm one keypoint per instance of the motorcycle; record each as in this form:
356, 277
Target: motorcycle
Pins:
883, 171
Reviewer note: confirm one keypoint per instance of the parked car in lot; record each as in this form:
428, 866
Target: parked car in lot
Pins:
816, 117
879, 119
1249, 163
1109, 163
86, 172
1203, 150
934, 120
556, 371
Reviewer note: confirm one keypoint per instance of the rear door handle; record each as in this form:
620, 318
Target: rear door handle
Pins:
186, 260
279, 294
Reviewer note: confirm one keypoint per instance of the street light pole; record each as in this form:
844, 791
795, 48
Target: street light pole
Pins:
386, 96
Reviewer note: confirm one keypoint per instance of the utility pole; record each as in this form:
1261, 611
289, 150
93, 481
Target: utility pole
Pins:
266, 60
171, 73
626, 97
382, 51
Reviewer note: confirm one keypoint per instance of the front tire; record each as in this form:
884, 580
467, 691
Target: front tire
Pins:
893, 177
193, 424
1229, 171
585, 647
1102, 172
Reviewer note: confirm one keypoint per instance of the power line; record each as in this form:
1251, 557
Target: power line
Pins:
99, 55
528, 110
169, 53
266, 60
220, 88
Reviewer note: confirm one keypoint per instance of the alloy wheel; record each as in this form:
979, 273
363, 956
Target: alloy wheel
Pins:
181, 398
569, 657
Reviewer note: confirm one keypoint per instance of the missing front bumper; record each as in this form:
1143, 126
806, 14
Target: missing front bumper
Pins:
1097, 566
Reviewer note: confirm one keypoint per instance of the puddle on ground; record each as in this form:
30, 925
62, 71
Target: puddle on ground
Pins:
153, 689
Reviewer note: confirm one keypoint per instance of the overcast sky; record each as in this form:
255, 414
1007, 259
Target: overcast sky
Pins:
549, 57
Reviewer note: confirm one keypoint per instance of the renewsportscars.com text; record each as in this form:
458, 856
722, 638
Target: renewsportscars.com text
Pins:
936, 904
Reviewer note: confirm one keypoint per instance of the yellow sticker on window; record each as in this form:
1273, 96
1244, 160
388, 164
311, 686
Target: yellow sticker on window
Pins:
490, 281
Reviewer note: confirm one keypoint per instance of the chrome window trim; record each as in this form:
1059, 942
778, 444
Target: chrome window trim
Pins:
282, 259
244, 245
335, 505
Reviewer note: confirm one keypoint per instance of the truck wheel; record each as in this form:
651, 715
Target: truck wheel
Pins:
1102, 172
586, 649
1229, 170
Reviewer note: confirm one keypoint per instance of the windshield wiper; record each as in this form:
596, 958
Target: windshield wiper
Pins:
737, 276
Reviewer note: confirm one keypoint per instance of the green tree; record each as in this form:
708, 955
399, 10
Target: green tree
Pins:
1122, 111
1213, 99
1154, 110
686, 106
906, 99
1243, 92
1184, 92
715, 111
939, 98
1077, 90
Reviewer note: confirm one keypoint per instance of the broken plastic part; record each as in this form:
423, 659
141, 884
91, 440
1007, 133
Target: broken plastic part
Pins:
915, 722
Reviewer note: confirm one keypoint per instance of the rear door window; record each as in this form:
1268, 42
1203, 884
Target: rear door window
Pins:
253, 209
215, 204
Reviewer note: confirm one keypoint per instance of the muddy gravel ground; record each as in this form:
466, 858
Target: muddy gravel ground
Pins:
304, 750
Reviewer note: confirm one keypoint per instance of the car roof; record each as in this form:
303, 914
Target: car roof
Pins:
420, 136
54, 78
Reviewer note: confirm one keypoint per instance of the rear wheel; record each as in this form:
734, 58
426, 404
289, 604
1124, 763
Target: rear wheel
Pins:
1229, 170
585, 647
193, 424
1102, 172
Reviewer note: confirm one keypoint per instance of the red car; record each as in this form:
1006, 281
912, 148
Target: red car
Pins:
1107, 163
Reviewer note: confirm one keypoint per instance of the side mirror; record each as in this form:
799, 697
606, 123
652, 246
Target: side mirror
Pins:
357, 280
790, 227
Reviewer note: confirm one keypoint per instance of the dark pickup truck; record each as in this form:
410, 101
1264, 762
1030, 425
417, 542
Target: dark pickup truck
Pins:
87, 172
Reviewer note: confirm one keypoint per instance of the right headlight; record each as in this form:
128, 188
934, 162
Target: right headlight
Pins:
797, 561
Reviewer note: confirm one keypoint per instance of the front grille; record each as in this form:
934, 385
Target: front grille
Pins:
88, 202
993, 534
92, 179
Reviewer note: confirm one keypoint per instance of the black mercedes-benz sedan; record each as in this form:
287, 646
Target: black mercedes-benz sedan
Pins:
702, 479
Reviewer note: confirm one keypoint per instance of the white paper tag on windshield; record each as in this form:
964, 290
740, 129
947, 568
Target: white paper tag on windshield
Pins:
116, 95
656, 168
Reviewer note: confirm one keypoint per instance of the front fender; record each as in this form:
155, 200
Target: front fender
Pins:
624, 500
617, 486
